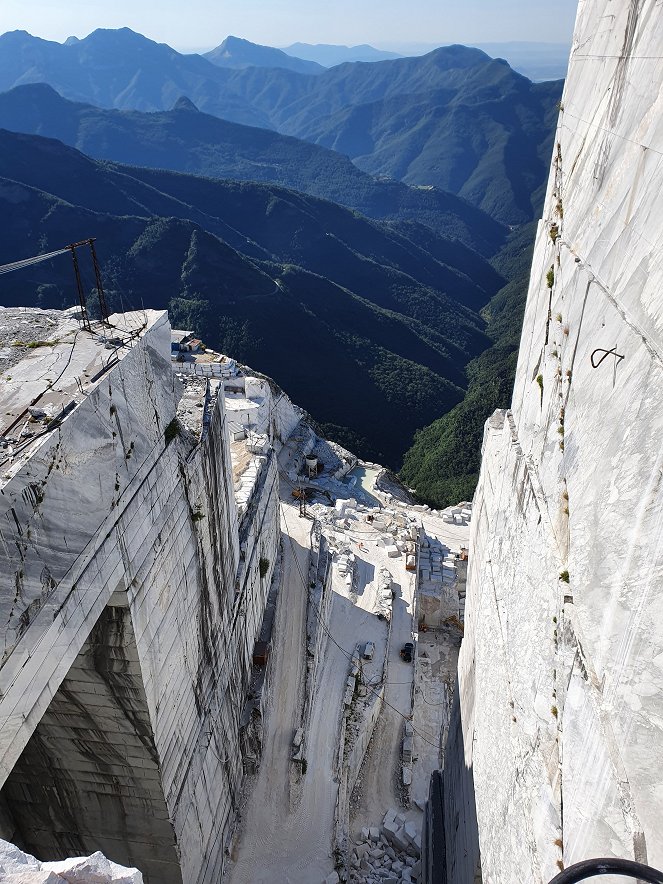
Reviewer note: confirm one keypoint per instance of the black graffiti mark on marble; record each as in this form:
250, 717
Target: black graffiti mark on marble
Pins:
606, 353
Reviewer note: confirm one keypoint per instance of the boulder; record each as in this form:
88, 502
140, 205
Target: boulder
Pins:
411, 832
396, 836
95, 869
22, 868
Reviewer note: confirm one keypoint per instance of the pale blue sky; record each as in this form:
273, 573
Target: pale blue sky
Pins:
197, 24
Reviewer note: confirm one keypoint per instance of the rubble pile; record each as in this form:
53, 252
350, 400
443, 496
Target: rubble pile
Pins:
387, 855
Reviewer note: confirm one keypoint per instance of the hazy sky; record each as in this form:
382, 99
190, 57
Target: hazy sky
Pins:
194, 24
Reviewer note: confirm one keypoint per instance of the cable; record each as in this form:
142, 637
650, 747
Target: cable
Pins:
343, 651
592, 868
27, 262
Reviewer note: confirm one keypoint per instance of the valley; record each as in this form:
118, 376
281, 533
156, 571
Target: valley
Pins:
372, 325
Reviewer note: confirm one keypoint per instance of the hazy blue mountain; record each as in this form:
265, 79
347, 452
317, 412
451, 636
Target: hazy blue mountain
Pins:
365, 326
119, 68
537, 61
328, 55
237, 53
454, 118
186, 140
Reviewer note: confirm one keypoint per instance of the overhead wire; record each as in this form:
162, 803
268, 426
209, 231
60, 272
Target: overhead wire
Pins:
28, 262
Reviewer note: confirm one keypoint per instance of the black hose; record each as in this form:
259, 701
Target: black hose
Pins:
591, 868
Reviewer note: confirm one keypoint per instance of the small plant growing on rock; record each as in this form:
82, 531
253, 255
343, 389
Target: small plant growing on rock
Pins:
564, 576
558, 317
554, 710
550, 277
263, 567
554, 232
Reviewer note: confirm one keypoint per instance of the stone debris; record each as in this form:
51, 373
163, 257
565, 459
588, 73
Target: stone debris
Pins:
17, 867
385, 593
388, 855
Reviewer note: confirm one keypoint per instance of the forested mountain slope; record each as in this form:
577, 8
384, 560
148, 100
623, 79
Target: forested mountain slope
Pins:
186, 140
363, 325
443, 463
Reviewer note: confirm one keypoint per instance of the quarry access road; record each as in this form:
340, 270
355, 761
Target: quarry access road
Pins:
379, 776
259, 853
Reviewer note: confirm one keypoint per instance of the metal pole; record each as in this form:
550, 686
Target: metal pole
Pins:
103, 307
79, 287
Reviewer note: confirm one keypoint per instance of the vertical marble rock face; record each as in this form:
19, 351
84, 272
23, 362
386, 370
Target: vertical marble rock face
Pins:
560, 719
59, 514
129, 627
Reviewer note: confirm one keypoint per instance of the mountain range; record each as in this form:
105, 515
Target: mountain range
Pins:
328, 55
454, 119
187, 140
333, 228
365, 324
237, 53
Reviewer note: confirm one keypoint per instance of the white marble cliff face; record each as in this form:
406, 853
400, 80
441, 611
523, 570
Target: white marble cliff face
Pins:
564, 680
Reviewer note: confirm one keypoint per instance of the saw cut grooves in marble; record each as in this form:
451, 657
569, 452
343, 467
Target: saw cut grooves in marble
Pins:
125, 665
557, 750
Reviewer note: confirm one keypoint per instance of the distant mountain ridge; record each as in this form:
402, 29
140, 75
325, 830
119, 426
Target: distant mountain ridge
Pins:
187, 140
328, 55
237, 53
454, 119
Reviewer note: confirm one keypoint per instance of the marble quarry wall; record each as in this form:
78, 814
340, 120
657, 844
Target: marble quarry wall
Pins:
556, 750
128, 629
